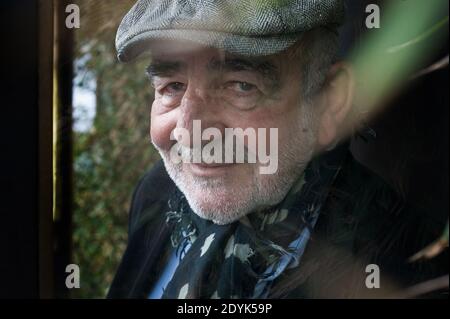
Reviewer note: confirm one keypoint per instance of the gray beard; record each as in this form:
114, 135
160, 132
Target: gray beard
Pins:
212, 199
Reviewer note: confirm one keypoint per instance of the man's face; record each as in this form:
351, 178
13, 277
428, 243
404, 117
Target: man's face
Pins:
228, 91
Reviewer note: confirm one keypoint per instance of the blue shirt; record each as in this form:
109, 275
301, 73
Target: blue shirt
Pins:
168, 272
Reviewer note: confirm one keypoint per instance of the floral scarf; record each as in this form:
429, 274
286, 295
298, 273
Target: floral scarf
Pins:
244, 258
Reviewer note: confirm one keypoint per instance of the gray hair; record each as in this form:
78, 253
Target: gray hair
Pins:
317, 50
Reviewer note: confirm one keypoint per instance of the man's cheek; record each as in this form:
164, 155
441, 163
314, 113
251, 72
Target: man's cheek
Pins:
162, 122
160, 130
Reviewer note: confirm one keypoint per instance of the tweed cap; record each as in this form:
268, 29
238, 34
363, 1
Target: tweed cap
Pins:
246, 27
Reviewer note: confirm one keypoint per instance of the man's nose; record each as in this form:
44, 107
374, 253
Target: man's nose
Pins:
198, 104
194, 104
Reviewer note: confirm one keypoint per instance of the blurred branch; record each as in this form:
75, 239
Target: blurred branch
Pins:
421, 37
424, 288
433, 249
441, 64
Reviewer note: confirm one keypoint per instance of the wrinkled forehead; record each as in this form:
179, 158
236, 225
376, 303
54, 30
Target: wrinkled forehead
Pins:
172, 46
169, 49
184, 53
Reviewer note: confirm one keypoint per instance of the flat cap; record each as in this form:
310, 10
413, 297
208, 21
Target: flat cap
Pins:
246, 27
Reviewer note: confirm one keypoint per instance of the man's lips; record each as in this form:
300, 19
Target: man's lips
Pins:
204, 169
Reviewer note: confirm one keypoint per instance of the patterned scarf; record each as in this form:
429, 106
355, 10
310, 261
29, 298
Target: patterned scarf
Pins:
242, 259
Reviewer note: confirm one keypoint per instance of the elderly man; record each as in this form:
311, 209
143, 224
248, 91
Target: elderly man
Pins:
319, 224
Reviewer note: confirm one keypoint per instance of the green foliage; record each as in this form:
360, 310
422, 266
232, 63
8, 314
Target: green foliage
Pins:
109, 159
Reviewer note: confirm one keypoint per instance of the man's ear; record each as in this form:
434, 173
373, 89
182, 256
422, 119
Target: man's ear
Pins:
336, 102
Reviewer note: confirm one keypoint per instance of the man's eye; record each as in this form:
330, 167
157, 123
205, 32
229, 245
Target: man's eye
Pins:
240, 94
241, 87
174, 88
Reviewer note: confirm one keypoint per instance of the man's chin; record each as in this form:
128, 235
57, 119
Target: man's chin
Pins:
219, 216
220, 210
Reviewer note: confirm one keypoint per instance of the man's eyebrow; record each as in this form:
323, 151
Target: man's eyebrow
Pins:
264, 67
163, 68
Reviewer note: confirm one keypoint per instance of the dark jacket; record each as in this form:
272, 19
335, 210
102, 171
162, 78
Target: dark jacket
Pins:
363, 222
